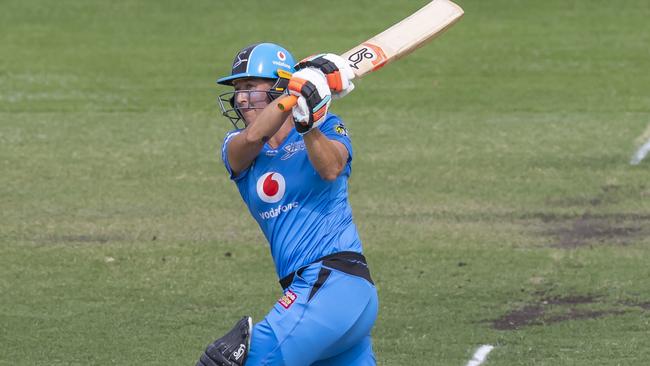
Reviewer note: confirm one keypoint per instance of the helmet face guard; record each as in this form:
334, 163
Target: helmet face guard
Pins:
234, 112
258, 61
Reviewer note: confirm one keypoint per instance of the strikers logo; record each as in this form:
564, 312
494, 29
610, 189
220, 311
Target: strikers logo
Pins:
270, 187
340, 129
288, 299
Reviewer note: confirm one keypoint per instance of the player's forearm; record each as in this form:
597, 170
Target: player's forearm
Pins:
266, 125
245, 147
328, 157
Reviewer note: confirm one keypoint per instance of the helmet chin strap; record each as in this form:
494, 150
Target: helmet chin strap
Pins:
280, 85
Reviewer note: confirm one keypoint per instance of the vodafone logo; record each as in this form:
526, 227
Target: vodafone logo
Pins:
282, 56
270, 187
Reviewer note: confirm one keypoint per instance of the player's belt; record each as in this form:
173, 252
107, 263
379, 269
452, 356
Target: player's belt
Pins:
352, 263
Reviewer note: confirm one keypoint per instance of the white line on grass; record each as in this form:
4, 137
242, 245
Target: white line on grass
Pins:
644, 142
480, 355
641, 153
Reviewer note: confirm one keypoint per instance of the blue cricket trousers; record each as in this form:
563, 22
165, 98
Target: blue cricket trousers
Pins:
323, 319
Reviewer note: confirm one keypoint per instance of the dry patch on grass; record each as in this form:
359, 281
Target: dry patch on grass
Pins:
613, 228
549, 310
588, 229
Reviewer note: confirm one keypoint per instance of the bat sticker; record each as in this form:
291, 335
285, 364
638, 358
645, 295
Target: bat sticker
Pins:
368, 52
359, 56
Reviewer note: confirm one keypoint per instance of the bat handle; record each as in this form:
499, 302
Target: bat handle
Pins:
287, 102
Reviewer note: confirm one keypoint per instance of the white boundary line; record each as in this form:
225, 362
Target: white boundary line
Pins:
480, 355
644, 142
641, 153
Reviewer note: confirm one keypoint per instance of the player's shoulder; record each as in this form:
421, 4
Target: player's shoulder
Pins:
335, 124
230, 134
332, 118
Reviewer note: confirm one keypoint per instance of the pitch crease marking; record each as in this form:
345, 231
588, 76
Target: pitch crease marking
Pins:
480, 355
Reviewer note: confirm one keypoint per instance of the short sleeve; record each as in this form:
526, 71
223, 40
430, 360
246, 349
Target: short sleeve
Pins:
335, 130
224, 156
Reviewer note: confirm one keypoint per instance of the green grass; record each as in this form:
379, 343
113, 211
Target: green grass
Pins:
122, 241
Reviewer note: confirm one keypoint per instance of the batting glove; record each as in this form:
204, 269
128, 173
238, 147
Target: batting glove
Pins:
338, 72
314, 97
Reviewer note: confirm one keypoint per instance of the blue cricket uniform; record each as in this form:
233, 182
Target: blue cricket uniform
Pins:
330, 304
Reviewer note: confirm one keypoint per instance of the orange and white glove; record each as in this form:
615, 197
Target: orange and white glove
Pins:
338, 72
314, 97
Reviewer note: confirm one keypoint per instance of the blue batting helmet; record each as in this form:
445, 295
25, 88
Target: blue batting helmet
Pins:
261, 60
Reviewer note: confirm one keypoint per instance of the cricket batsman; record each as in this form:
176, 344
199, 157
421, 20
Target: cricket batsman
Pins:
292, 168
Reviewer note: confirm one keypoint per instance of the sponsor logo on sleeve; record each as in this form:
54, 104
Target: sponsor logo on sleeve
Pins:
340, 129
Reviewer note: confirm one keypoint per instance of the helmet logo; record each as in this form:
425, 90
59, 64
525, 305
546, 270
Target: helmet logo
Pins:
270, 187
239, 60
281, 56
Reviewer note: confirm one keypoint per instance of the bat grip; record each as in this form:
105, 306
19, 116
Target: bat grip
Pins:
287, 102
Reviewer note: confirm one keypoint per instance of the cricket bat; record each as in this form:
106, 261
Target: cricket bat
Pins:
397, 41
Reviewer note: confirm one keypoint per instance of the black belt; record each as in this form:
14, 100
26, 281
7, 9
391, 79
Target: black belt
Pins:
352, 263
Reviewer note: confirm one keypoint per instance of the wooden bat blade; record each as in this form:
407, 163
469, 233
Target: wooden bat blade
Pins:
404, 37
397, 41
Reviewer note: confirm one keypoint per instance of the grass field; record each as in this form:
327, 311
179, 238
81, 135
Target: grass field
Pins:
491, 183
